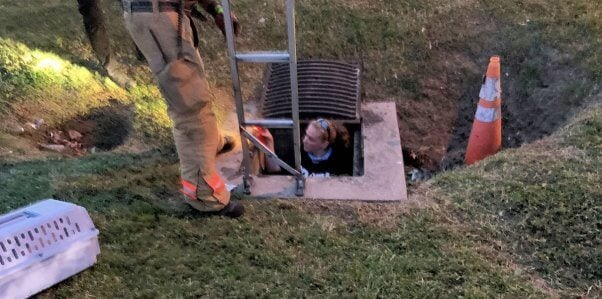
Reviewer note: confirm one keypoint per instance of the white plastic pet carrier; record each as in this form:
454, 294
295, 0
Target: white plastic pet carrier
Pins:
43, 244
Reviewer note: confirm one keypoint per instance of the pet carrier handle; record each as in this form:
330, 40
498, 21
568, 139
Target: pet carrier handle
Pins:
11, 219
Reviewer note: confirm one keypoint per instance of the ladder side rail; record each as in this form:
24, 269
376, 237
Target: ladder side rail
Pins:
292, 59
237, 92
292, 50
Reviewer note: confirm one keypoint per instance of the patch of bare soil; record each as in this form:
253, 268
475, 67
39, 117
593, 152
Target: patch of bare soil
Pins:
426, 123
103, 128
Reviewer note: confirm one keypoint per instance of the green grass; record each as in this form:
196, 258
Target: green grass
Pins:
548, 214
152, 245
524, 223
32, 77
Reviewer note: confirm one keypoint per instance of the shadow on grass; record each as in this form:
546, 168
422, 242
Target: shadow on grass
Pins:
105, 127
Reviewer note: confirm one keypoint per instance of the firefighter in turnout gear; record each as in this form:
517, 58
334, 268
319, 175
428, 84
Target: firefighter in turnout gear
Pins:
162, 31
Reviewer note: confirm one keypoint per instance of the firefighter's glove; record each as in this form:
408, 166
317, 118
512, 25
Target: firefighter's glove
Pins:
219, 21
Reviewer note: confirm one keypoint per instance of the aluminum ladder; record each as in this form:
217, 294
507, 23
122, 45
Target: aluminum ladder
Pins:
289, 56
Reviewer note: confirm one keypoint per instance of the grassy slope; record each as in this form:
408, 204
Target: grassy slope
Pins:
48, 71
504, 205
547, 214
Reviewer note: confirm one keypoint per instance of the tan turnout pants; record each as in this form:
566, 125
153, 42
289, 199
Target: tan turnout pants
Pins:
183, 84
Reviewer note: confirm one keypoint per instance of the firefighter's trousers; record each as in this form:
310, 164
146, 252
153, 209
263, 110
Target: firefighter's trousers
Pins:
184, 86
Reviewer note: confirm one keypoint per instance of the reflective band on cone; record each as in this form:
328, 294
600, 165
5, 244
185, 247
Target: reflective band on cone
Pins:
491, 89
486, 134
487, 115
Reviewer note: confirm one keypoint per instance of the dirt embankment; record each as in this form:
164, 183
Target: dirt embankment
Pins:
541, 89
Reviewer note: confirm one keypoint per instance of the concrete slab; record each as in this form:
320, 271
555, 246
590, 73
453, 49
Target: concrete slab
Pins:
383, 179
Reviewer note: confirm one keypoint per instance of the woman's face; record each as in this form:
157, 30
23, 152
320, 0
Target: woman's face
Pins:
313, 142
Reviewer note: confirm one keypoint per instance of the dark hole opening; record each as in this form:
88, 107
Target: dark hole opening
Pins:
352, 156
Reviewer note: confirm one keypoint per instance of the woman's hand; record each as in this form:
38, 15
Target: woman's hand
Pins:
265, 137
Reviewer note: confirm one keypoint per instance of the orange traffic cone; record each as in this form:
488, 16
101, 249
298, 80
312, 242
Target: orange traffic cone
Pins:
486, 135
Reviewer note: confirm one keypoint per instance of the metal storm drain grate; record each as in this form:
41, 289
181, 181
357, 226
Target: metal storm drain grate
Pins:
329, 89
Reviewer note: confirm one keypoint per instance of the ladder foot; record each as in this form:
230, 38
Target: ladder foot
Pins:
300, 187
246, 184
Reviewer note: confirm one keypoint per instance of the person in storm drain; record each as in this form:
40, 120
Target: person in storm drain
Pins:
326, 150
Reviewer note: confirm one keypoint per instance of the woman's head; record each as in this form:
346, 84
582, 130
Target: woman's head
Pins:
319, 134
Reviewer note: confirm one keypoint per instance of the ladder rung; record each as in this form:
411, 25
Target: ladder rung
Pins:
263, 57
270, 123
